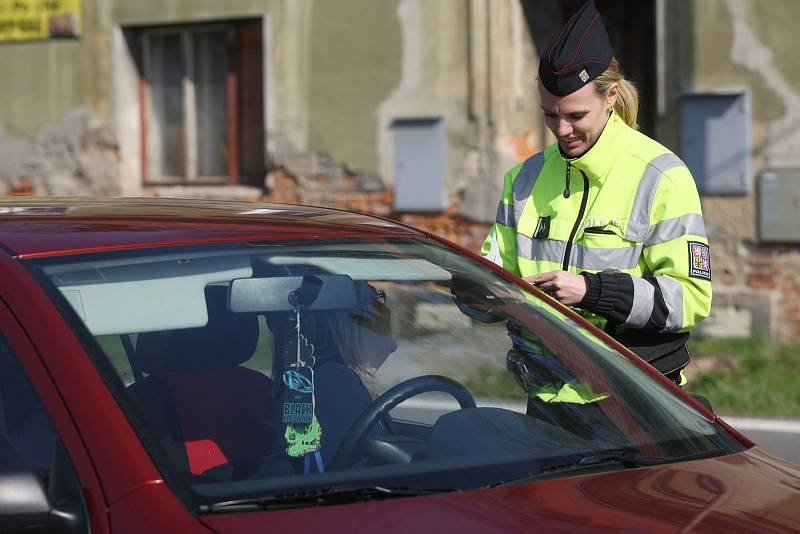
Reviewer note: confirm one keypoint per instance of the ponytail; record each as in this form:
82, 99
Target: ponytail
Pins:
627, 104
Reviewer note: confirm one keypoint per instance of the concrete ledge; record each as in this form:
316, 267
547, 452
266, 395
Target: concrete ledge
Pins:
212, 192
740, 312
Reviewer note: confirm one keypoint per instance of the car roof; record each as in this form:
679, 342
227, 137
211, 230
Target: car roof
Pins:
39, 227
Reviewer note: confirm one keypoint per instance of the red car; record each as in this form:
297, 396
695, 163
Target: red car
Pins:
189, 366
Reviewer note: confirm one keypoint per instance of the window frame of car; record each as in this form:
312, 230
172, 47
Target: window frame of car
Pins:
111, 379
176, 481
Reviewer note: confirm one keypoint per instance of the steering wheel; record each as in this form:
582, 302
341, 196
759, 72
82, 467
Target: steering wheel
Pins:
381, 407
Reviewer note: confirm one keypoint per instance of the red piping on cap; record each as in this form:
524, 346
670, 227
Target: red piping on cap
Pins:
555, 43
577, 49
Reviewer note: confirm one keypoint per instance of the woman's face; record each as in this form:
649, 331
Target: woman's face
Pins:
577, 119
375, 348
375, 334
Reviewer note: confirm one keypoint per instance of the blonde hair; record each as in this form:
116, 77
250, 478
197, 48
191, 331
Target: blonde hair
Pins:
627, 104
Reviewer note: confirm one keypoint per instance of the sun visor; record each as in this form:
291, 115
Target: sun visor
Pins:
146, 297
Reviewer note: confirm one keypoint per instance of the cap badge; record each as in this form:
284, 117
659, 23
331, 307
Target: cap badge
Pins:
583, 75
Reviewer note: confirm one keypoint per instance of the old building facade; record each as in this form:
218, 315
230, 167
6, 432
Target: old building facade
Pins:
410, 109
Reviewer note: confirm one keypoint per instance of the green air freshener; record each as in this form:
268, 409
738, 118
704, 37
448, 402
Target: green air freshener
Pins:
303, 439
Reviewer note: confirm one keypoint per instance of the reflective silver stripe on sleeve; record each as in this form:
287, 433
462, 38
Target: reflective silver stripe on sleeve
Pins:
524, 182
494, 255
505, 215
639, 221
672, 291
582, 257
669, 229
643, 302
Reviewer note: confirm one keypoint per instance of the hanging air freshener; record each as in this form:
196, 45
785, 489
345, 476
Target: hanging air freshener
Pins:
298, 395
303, 439
303, 432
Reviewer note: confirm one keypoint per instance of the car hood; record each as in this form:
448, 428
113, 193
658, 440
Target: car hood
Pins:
750, 491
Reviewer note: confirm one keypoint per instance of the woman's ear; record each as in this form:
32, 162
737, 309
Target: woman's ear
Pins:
612, 95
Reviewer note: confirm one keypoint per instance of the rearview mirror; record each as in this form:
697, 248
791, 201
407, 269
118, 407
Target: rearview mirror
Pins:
283, 293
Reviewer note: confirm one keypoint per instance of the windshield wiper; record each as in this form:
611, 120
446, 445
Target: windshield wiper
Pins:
626, 458
317, 497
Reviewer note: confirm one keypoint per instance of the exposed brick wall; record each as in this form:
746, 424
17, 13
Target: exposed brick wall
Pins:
763, 269
774, 270
468, 234
346, 193
787, 319
20, 187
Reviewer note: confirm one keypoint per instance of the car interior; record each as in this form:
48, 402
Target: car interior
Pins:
202, 354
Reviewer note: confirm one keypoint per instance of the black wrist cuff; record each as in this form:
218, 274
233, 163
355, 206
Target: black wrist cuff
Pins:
594, 285
609, 294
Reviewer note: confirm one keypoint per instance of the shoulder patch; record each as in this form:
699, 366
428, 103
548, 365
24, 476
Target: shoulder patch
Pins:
699, 261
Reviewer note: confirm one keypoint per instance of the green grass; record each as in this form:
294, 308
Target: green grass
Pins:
747, 376
489, 381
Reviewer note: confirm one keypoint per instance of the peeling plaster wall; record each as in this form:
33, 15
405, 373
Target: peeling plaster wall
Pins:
749, 50
336, 75
751, 44
417, 92
55, 112
355, 63
472, 64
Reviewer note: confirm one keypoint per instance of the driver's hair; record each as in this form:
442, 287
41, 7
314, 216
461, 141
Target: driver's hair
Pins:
337, 336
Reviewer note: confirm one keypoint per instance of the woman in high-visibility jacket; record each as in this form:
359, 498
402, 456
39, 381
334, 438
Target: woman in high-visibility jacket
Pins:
606, 219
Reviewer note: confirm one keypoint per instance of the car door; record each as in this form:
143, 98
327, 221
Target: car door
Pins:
117, 476
39, 442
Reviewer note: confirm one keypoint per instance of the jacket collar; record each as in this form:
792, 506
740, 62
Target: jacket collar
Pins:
597, 161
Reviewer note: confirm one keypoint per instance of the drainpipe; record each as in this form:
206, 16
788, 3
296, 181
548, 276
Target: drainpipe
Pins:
480, 112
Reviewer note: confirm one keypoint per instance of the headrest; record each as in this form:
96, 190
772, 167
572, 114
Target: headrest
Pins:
228, 338
151, 350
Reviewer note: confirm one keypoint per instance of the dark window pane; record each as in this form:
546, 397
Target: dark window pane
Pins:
210, 50
165, 121
27, 438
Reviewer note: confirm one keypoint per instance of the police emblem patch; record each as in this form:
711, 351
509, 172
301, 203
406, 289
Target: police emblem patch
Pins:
699, 260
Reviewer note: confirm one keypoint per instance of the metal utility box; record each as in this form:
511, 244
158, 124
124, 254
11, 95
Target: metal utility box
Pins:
779, 206
419, 165
716, 140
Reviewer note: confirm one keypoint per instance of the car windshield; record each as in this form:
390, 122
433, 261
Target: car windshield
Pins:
253, 371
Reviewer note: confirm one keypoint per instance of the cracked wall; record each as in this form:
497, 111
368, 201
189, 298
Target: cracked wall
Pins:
336, 76
730, 44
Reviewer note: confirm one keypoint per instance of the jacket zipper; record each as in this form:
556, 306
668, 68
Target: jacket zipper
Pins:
584, 200
566, 187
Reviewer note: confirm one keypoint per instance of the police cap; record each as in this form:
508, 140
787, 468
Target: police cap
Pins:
580, 53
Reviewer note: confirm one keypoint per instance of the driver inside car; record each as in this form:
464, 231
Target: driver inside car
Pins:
344, 349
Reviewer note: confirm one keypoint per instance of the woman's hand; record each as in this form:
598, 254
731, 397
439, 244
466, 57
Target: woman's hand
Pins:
565, 287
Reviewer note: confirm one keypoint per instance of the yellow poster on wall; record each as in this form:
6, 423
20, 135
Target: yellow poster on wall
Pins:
26, 20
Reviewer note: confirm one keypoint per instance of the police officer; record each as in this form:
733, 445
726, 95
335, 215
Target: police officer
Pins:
606, 219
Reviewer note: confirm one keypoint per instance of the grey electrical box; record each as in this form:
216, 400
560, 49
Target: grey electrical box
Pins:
419, 165
716, 140
779, 206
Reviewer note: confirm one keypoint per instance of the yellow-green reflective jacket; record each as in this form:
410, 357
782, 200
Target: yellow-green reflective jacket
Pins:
627, 209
